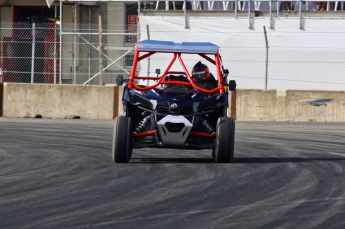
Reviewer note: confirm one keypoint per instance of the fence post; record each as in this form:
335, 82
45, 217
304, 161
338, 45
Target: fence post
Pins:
1, 92
116, 102
33, 52
149, 58
250, 19
1, 97
186, 26
271, 17
233, 105
75, 44
301, 26
89, 68
138, 22
266, 73
278, 2
100, 50
55, 11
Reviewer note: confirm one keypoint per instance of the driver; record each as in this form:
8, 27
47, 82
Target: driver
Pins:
202, 77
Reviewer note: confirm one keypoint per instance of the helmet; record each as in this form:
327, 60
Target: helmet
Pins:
200, 72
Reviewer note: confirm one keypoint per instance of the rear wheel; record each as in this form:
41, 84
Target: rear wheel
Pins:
122, 150
225, 140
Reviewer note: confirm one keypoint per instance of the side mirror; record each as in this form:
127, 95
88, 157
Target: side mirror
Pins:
225, 73
158, 72
232, 85
119, 80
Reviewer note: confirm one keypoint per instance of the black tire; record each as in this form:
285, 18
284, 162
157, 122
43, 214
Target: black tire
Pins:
225, 140
122, 149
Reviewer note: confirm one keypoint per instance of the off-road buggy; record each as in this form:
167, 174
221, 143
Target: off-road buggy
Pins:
171, 111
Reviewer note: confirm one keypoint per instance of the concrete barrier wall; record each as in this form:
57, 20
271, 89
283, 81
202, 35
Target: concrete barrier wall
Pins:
104, 102
59, 101
290, 105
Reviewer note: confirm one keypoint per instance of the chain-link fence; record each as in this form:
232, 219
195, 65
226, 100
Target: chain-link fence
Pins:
284, 57
30, 53
83, 59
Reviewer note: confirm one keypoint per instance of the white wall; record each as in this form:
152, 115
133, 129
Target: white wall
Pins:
312, 58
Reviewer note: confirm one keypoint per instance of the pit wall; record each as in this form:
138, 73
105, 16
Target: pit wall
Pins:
104, 102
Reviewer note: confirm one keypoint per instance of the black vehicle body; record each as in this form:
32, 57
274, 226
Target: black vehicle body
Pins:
174, 112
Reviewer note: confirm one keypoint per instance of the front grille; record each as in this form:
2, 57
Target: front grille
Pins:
183, 111
174, 127
187, 111
163, 111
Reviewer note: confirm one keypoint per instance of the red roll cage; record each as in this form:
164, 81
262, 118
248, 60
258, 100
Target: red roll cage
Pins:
150, 47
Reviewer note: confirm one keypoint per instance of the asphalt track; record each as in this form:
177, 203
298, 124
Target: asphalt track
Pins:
59, 174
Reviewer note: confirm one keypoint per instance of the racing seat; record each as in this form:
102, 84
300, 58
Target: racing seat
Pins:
176, 88
182, 78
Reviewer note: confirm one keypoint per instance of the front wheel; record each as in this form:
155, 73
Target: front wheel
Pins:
225, 140
122, 139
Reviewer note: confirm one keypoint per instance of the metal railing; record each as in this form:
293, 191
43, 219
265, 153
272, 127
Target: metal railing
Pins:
247, 9
240, 5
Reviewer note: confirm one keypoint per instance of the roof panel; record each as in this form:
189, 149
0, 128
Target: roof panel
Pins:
170, 46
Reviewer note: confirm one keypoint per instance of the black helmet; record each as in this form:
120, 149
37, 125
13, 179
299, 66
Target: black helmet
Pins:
200, 72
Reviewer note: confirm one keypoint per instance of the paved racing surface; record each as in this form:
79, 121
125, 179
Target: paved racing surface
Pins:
59, 174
